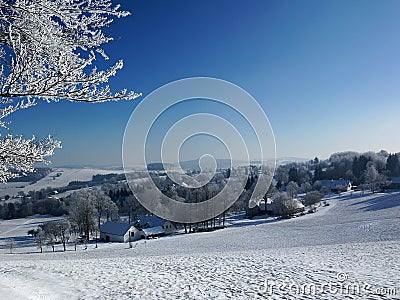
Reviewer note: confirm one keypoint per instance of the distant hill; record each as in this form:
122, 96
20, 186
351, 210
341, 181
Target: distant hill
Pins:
287, 160
221, 163
79, 166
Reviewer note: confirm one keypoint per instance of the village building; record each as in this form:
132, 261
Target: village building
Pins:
337, 186
153, 232
394, 183
120, 232
169, 227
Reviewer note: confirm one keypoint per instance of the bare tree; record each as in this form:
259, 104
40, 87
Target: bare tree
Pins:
81, 211
10, 244
39, 236
312, 198
74, 233
85, 205
292, 189
63, 227
101, 203
48, 51
133, 206
374, 180
306, 187
111, 210
50, 232
285, 206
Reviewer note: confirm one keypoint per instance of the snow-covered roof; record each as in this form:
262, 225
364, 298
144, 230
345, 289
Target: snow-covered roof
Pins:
152, 221
334, 183
115, 228
395, 179
153, 231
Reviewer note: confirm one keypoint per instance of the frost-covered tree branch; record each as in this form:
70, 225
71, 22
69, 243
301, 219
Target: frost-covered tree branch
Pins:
48, 51
19, 155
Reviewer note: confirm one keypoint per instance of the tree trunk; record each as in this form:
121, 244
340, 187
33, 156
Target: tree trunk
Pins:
87, 228
98, 223
63, 241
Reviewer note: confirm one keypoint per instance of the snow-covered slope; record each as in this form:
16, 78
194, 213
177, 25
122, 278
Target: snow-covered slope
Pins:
52, 180
352, 244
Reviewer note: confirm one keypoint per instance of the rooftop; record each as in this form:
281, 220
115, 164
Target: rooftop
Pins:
115, 228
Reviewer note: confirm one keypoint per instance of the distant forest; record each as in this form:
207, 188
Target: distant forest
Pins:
359, 168
32, 177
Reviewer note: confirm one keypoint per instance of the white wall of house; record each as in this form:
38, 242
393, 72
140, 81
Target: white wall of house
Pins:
169, 227
133, 234
108, 237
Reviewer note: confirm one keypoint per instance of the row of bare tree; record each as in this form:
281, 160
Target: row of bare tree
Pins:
86, 209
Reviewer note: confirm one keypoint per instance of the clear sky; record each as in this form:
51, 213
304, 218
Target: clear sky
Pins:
326, 73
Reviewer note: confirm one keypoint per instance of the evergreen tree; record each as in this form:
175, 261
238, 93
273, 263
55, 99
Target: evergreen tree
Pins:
318, 174
279, 185
293, 175
393, 165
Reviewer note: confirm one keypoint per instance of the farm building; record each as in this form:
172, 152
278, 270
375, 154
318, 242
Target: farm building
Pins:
394, 183
147, 221
152, 232
337, 186
169, 227
119, 232
153, 226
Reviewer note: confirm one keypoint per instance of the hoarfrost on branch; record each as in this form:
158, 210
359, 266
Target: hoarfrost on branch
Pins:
48, 50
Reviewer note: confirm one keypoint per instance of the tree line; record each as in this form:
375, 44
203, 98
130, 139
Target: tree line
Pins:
367, 170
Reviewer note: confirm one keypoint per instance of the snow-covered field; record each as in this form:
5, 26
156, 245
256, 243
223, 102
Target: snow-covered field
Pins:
53, 181
348, 250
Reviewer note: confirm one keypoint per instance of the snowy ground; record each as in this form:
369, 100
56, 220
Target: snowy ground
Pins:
348, 250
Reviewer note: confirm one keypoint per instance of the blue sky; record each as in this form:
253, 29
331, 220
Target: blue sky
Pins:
326, 73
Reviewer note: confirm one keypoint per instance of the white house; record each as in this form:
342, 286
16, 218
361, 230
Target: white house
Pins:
119, 232
169, 227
